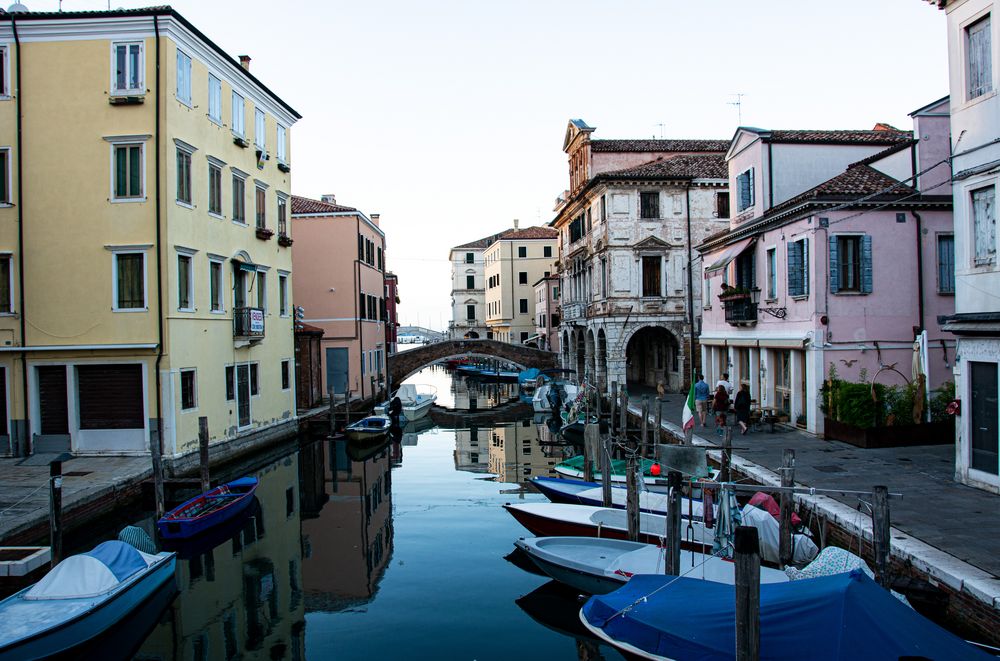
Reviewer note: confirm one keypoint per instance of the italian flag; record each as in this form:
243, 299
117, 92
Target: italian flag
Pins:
688, 415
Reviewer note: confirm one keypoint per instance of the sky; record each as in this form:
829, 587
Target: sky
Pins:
446, 117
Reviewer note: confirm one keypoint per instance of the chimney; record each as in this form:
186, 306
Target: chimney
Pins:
374, 218
329, 198
515, 223
245, 62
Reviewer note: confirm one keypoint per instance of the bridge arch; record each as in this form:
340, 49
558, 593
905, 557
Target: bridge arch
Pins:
404, 364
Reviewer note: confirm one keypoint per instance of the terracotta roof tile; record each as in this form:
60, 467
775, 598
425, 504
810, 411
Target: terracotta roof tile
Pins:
681, 145
530, 233
685, 166
856, 182
480, 244
306, 205
880, 137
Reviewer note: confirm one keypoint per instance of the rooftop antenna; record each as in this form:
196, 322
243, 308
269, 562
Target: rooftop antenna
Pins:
660, 126
739, 106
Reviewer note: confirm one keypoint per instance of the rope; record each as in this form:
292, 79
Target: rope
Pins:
9, 508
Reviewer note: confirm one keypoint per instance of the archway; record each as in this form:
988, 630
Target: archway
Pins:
472, 335
581, 353
652, 355
602, 360
591, 362
564, 346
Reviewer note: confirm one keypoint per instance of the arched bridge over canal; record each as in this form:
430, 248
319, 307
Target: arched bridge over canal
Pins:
403, 364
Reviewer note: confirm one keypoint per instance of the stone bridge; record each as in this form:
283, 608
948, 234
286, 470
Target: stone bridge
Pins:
403, 364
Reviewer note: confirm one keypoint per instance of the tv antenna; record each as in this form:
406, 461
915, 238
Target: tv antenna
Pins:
739, 106
660, 126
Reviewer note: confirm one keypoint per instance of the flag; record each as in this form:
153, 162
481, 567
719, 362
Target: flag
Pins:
688, 415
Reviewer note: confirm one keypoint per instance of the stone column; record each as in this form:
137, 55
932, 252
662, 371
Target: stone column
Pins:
767, 378
755, 389
796, 373
815, 375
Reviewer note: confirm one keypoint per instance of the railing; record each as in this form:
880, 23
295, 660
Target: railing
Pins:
740, 311
571, 311
248, 322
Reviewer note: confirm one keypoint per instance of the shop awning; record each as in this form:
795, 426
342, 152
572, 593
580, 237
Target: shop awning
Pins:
240, 265
727, 255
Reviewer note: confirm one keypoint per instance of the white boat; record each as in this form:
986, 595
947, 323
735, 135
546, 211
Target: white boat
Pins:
416, 400
540, 401
599, 565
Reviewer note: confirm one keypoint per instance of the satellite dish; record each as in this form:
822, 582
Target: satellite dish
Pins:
17, 7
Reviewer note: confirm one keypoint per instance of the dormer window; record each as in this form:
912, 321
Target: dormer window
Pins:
745, 190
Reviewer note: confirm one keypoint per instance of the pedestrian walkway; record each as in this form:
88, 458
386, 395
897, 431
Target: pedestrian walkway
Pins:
959, 520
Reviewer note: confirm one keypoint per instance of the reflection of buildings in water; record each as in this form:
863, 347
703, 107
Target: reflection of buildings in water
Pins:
515, 454
348, 545
474, 395
472, 449
243, 598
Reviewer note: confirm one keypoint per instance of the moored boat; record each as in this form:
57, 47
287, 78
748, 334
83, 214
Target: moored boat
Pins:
416, 401
208, 509
558, 390
371, 429
560, 490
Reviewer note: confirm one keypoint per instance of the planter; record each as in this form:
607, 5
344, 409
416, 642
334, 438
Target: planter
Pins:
240, 142
284, 240
734, 297
930, 433
264, 234
284, 167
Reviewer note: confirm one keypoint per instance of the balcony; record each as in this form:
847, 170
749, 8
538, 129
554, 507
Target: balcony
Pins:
248, 323
741, 309
572, 311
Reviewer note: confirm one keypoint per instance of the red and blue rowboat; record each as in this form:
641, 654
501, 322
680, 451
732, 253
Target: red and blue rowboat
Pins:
208, 510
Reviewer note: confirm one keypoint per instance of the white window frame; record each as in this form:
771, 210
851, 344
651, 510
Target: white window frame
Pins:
5, 69
127, 91
129, 250
9, 178
239, 115
259, 128
261, 277
216, 164
283, 294
217, 261
180, 389
10, 278
751, 186
215, 98
189, 254
987, 89
122, 141
282, 147
183, 88
771, 279
991, 251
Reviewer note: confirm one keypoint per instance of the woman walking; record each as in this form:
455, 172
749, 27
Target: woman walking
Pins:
742, 407
720, 405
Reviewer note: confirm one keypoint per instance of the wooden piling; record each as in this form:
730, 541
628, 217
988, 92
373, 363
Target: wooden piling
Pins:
785, 549
614, 404
55, 510
203, 452
672, 564
605, 463
591, 443
632, 496
880, 534
725, 472
156, 454
658, 427
746, 544
623, 415
644, 427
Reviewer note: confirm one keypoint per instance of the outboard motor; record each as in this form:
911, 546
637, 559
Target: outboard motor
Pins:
395, 409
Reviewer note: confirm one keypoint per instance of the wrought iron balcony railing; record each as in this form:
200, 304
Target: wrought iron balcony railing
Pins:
248, 322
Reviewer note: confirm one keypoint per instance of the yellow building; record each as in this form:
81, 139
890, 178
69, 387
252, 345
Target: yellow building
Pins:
146, 182
514, 262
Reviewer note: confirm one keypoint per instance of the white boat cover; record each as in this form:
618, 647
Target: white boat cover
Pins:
92, 573
407, 393
769, 531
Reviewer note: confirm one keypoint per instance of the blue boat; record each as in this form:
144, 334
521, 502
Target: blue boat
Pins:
845, 617
81, 599
207, 510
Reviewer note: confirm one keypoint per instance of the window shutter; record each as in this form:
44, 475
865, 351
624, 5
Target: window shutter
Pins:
794, 254
805, 266
834, 263
866, 264
750, 189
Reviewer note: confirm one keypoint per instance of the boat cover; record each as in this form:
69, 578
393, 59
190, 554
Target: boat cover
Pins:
407, 393
766, 501
769, 531
846, 617
92, 573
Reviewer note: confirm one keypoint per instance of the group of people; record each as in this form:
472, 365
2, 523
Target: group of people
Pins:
720, 402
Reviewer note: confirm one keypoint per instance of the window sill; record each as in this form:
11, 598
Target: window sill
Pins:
194, 410
774, 299
186, 104
217, 216
946, 293
851, 293
127, 200
800, 297
188, 310
217, 312
8, 314
130, 309
186, 205
240, 223
217, 122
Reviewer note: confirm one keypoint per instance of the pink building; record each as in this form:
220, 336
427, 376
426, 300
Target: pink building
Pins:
391, 316
840, 252
547, 313
342, 290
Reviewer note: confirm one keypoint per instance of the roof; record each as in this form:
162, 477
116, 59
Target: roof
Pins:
529, 233
306, 205
675, 145
879, 155
480, 244
837, 137
857, 181
159, 10
684, 166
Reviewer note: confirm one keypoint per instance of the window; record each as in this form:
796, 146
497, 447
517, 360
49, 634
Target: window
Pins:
283, 215
604, 277
379, 258
286, 374
783, 380
259, 126
215, 286
722, 205
4, 174
522, 251
261, 210
980, 58
185, 286
183, 176
604, 208
254, 380
127, 67
798, 267
772, 273
547, 251
6, 291
260, 284
239, 199
283, 295
522, 305
214, 99
470, 258
651, 276
239, 125
945, 263
128, 172
522, 278
589, 220
649, 205
4, 74
130, 281
230, 383
851, 264
524, 338
183, 77
470, 312
745, 190
214, 189
282, 144
984, 226
189, 399
470, 282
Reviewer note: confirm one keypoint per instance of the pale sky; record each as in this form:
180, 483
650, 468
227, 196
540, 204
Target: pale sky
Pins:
447, 117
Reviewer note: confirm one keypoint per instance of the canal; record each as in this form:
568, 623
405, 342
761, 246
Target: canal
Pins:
394, 552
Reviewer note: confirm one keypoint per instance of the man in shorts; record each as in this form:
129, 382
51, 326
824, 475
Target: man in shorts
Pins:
702, 396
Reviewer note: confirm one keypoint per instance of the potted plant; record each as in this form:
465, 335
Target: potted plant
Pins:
284, 240
734, 293
264, 234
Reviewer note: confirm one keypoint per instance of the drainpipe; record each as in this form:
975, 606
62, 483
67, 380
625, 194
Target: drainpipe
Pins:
20, 240
920, 272
770, 177
690, 283
358, 330
157, 247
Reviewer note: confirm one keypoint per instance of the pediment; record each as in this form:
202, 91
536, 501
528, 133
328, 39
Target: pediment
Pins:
651, 243
743, 138
573, 129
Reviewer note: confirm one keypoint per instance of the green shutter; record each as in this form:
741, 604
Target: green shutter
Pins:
866, 264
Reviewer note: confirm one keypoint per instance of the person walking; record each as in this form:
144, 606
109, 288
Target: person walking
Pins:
742, 407
702, 395
724, 381
721, 406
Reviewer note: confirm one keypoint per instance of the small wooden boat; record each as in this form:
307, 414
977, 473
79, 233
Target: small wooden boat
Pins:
578, 492
598, 566
207, 510
370, 429
81, 599
572, 469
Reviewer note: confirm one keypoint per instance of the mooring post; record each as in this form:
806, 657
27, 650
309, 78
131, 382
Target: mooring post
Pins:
591, 440
644, 427
623, 421
672, 565
785, 549
155, 452
203, 452
747, 560
659, 423
333, 413
725, 471
55, 510
606, 471
632, 495
880, 534
614, 404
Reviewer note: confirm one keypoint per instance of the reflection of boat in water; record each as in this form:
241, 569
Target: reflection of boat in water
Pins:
413, 429
555, 607
372, 429
192, 547
365, 451
207, 510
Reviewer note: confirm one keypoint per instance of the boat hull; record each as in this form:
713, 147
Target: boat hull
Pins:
183, 528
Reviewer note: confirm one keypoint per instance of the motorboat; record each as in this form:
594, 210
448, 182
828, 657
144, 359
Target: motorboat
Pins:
559, 490
599, 565
374, 428
416, 401
81, 599
556, 391
208, 509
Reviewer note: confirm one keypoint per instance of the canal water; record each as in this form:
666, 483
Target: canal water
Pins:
394, 552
